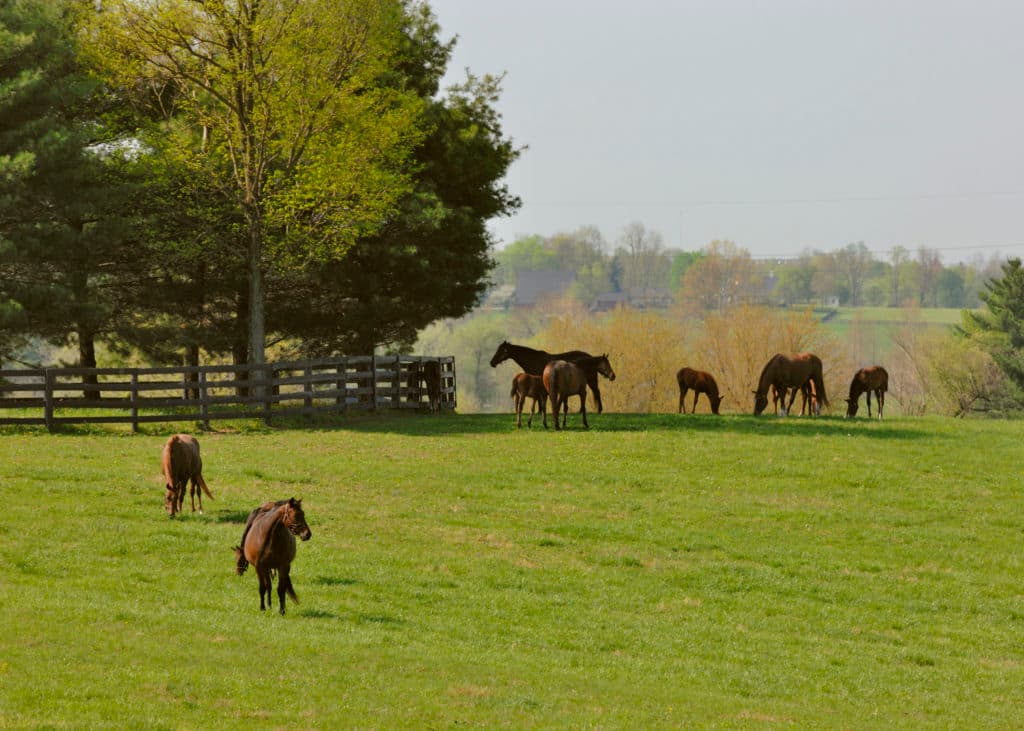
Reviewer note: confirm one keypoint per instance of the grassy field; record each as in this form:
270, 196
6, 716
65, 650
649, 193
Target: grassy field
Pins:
654, 572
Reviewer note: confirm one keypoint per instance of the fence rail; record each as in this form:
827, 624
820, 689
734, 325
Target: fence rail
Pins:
204, 393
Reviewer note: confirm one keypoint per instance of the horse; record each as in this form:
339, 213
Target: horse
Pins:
867, 380
700, 382
268, 543
783, 372
525, 386
533, 362
563, 379
181, 464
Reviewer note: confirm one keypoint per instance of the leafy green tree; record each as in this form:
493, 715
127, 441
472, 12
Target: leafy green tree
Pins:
1001, 324
310, 149
526, 254
65, 197
432, 257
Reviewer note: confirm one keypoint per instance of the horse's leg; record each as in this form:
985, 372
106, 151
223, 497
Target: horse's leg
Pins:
592, 382
264, 577
867, 397
519, 410
682, 395
282, 585
583, 408
696, 395
881, 401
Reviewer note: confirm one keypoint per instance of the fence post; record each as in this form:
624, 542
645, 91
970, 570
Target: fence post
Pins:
204, 404
307, 386
396, 385
265, 376
135, 402
341, 400
373, 381
48, 399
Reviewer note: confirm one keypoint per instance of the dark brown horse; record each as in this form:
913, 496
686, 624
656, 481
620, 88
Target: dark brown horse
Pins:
867, 380
181, 464
268, 543
700, 382
784, 372
533, 362
525, 386
563, 379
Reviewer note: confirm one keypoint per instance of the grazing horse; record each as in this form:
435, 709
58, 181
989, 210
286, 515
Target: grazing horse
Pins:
700, 382
533, 362
563, 379
784, 372
268, 543
525, 386
867, 380
181, 464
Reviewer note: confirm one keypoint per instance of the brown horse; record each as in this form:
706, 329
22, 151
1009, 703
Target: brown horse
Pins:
867, 380
268, 543
525, 386
563, 379
533, 362
700, 382
784, 372
181, 463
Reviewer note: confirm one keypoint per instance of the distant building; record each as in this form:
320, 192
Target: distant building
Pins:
641, 299
533, 287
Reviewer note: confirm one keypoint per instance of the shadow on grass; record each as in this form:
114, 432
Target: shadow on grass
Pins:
232, 516
469, 424
334, 581
449, 423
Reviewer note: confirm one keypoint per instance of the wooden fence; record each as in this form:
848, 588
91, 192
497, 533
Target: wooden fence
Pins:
56, 396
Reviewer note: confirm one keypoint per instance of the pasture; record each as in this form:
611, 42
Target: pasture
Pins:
656, 571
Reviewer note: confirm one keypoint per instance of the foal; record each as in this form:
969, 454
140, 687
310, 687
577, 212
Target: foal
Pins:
181, 463
525, 386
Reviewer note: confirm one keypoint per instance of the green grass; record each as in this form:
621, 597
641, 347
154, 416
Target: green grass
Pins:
657, 571
900, 315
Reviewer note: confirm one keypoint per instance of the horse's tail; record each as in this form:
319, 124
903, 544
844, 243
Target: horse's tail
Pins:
202, 484
287, 582
515, 390
819, 385
240, 562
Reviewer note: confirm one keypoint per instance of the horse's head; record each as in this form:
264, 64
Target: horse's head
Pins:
716, 401
295, 520
604, 367
760, 402
501, 354
851, 406
170, 500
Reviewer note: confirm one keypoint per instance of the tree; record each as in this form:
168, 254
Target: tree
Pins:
1001, 325
853, 267
64, 197
431, 259
719, 278
645, 264
311, 149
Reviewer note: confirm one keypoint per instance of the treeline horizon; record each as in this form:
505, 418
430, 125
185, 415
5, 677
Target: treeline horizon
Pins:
722, 273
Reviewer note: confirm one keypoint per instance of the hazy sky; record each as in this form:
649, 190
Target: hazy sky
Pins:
779, 125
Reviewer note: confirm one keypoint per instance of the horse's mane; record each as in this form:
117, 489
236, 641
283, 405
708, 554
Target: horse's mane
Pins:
762, 387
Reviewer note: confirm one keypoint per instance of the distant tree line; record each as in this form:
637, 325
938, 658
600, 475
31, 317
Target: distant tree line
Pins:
723, 274
186, 179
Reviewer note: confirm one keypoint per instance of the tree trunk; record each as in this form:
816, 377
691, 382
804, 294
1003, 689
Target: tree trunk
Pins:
87, 359
256, 326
